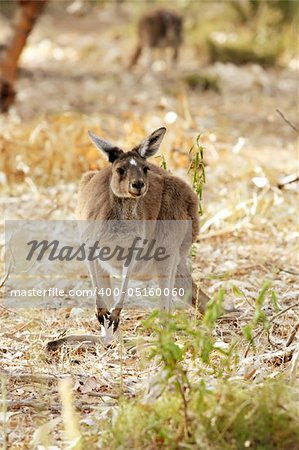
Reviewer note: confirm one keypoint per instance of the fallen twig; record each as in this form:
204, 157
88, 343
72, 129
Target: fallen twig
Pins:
280, 313
284, 354
20, 328
258, 333
101, 395
288, 180
4, 279
33, 378
9, 310
293, 334
291, 272
217, 234
294, 365
287, 121
72, 338
17, 404
49, 379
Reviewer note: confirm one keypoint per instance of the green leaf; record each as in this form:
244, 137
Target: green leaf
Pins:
247, 331
274, 300
237, 291
262, 294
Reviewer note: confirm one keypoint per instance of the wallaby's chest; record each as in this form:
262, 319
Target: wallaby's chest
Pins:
128, 209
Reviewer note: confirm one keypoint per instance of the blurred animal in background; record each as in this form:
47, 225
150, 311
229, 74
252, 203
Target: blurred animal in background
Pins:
161, 28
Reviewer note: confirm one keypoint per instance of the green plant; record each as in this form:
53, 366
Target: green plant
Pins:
197, 404
243, 48
163, 163
197, 169
259, 315
204, 81
249, 10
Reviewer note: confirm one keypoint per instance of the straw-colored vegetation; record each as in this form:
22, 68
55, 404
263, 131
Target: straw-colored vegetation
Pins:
179, 382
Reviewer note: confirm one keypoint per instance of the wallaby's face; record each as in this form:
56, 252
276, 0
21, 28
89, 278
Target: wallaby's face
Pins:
129, 177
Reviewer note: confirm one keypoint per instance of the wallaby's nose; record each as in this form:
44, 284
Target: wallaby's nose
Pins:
137, 184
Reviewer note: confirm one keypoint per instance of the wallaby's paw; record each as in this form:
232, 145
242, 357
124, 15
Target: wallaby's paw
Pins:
102, 314
114, 318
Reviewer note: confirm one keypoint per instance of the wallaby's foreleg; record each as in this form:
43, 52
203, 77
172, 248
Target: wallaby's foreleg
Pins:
114, 315
100, 280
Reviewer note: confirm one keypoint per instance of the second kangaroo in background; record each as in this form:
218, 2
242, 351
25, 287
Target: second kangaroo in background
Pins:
159, 29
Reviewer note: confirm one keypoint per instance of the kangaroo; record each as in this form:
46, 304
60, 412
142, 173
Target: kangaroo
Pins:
133, 189
159, 28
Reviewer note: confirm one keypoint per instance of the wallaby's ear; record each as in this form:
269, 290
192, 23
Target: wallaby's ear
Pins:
110, 150
151, 144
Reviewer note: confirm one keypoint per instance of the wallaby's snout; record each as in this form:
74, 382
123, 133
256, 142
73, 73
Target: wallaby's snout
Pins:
137, 188
129, 176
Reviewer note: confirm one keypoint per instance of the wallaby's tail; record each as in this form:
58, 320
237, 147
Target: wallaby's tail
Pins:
199, 298
135, 56
183, 279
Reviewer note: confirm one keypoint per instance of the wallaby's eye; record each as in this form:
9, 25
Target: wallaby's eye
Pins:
120, 171
145, 169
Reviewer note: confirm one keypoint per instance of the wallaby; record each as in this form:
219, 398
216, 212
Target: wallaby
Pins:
133, 189
159, 29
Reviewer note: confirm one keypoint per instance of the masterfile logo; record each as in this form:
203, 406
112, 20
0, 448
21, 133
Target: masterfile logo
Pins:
140, 250
67, 263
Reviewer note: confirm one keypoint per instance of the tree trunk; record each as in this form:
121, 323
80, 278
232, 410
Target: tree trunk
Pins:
26, 17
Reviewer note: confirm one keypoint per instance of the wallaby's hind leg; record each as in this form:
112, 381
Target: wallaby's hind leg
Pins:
175, 55
184, 281
136, 56
166, 284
